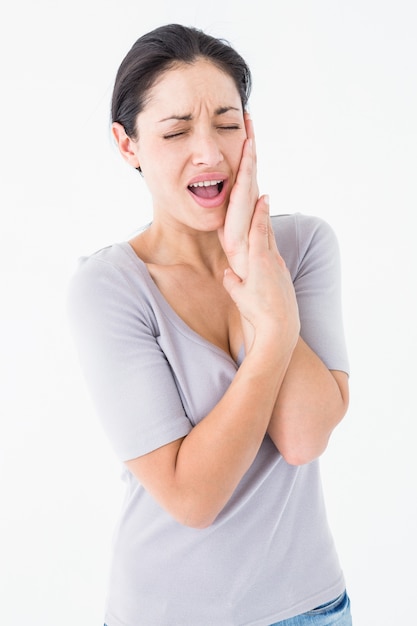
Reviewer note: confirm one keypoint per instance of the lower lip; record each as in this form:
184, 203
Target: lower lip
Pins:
211, 203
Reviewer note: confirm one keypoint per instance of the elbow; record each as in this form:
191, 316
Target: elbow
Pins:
196, 521
198, 524
302, 450
299, 455
197, 515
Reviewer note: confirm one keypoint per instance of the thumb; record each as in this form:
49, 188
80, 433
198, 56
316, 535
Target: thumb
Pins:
231, 281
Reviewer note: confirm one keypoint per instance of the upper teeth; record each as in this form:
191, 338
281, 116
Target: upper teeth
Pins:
206, 183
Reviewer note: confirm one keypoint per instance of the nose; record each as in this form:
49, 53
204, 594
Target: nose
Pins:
206, 149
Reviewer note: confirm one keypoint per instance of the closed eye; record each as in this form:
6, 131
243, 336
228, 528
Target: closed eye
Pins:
173, 135
184, 132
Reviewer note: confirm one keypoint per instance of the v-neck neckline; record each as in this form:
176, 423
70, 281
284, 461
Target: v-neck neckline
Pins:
170, 312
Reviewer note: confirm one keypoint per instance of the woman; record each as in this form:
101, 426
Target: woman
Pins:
213, 346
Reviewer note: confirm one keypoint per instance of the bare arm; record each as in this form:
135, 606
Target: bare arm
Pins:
195, 476
312, 399
311, 402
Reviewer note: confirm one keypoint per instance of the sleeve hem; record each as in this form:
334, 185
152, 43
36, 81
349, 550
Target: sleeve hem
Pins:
155, 441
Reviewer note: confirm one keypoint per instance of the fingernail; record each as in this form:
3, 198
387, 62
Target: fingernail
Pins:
266, 199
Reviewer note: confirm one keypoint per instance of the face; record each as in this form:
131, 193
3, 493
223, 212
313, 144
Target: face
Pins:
190, 140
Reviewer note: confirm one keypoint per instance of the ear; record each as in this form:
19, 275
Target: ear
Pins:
126, 145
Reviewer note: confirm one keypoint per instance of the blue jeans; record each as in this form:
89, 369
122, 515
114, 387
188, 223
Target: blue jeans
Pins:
334, 613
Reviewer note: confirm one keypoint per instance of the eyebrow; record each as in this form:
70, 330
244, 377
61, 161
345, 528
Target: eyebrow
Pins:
189, 117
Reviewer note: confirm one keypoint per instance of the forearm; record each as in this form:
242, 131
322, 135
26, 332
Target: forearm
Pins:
213, 458
194, 477
311, 402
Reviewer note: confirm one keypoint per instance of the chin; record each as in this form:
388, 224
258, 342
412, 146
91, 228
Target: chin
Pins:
211, 223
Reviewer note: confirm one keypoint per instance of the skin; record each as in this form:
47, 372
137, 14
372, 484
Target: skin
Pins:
224, 253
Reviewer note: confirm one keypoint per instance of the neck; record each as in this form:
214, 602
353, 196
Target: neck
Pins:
178, 245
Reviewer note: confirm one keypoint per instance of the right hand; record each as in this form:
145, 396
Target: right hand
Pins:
234, 235
266, 297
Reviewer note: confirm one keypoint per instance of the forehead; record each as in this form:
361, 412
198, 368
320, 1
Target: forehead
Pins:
190, 84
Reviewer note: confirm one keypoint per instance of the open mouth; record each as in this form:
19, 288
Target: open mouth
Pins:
207, 188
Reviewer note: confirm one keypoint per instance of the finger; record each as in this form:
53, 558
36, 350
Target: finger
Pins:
231, 281
260, 230
271, 237
247, 170
272, 243
247, 167
243, 197
234, 234
250, 133
248, 124
239, 212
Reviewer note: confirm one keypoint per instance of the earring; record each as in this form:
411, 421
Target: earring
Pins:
139, 169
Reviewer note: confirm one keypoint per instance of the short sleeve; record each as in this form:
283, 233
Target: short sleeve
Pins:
127, 373
310, 249
318, 289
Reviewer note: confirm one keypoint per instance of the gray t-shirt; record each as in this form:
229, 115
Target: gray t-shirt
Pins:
269, 555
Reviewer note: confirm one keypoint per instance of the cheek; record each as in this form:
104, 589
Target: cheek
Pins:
160, 175
163, 159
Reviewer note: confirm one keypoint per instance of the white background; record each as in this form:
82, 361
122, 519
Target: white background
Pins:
334, 107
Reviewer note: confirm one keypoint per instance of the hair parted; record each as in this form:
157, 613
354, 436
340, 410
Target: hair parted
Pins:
155, 52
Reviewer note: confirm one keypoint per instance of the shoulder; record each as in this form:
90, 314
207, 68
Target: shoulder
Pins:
112, 267
299, 227
110, 282
113, 259
300, 237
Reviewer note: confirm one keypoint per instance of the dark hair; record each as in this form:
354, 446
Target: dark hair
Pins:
155, 52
